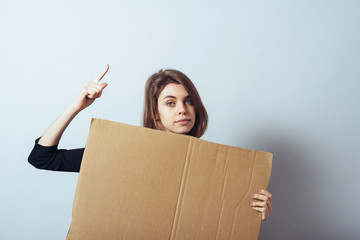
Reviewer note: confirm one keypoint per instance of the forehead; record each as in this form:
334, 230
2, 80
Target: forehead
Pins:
172, 89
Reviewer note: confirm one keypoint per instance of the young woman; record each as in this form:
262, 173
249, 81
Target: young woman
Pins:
172, 104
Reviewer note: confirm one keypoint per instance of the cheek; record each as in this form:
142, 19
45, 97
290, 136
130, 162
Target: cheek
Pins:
193, 110
164, 113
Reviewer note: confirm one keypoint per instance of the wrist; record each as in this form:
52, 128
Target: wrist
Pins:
72, 109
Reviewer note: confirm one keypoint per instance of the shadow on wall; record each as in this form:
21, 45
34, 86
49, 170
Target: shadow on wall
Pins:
295, 187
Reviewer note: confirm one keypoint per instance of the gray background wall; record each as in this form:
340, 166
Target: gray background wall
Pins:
277, 76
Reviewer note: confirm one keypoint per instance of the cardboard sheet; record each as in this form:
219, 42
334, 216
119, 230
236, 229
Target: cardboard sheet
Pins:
139, 183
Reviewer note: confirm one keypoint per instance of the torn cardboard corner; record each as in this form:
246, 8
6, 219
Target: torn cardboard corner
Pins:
140, 183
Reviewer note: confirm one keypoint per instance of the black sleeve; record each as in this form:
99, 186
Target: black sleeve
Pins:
52, 158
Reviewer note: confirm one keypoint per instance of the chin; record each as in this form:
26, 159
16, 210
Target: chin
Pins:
183, 131
178, 131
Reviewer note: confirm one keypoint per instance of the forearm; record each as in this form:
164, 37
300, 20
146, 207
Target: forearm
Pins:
85, 98
53, 134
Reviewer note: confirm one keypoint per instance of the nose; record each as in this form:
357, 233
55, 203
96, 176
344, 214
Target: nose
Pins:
182, 109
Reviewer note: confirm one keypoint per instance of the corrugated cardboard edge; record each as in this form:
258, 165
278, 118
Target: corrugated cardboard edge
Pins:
77, 189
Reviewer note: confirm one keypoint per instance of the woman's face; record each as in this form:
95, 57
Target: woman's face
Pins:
176, 110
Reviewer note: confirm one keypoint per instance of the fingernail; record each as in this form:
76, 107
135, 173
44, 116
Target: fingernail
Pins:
252, 195
259, 190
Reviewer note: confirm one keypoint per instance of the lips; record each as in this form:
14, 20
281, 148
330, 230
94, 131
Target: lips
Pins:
183, 120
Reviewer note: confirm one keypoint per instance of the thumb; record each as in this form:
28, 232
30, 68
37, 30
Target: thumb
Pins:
103, 85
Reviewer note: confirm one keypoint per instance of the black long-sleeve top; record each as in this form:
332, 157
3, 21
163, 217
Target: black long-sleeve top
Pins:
52, 158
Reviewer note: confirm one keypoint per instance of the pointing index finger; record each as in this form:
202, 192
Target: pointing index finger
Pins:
101, 75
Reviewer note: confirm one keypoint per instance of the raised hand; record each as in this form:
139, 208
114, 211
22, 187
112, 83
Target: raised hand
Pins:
90, 92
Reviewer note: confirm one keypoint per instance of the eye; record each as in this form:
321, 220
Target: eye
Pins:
169, 104
189, 101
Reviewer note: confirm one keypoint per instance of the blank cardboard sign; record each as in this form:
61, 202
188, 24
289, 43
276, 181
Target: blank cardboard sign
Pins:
140, 183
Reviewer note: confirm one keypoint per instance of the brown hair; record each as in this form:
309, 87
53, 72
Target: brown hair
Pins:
156, 83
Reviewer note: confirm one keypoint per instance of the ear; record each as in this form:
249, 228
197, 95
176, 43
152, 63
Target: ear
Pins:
156, 117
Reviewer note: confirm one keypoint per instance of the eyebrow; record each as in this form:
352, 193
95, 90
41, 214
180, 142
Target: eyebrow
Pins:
169, 96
